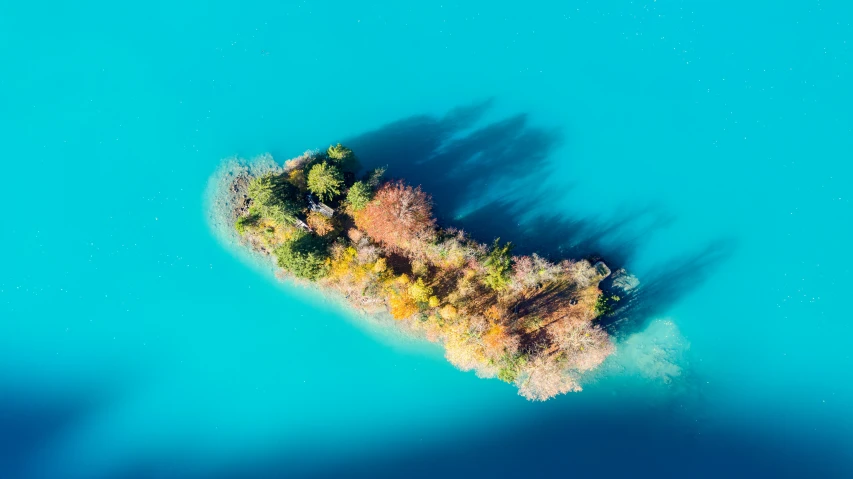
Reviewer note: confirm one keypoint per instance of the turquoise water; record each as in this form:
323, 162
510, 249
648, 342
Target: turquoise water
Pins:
705, 146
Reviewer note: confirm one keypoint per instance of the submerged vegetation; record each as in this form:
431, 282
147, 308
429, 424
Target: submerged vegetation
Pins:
522, 319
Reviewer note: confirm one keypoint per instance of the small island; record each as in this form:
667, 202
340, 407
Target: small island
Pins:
522, 319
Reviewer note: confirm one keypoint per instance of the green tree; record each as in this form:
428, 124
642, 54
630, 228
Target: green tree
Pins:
261, 190
304, 256
325, 180
343, 157
275, 198
374, 178
498, 266
338, 152
359, 195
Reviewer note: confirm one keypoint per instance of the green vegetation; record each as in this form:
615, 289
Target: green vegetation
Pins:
604, 305
498, 266
521, 319
275, 198
245, 222
304, 255
343, 157
325, 181
339, 152
359, 195
374, 178
419, 291
510, 367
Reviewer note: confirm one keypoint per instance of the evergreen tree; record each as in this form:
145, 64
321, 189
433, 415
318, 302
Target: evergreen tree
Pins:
498, 266
359, 195
343, 157
275, 198
325, 180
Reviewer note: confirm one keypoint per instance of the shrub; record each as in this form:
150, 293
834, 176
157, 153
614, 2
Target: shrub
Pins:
419, 291
325, 180
319, 223
452, 252
448, 311
368, 252
402, 306
297, 179
584, 346
509, 366
530, 272
359, 195
374, 178
494, 313
532, 322
542, 378
582, 272
380, 265
604, 304
495, 337
305, 256
419, 268
244, 222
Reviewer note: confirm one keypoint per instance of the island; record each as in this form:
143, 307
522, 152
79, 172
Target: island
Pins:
522, 319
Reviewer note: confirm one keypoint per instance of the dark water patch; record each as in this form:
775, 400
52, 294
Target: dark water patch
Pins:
613, 444
624, 441
29, 423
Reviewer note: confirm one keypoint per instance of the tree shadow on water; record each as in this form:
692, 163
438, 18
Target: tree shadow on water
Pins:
665, 287
453, 157
485, 178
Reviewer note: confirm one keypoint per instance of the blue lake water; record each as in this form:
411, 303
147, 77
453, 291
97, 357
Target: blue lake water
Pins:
705, 146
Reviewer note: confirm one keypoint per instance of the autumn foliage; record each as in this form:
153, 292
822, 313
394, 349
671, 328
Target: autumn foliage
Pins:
399, 217
522, 319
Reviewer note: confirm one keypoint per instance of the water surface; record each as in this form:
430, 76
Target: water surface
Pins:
705, 146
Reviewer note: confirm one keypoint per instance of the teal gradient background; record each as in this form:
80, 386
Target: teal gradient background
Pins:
706, 146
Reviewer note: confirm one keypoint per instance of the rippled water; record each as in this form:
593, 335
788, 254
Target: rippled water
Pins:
703, 145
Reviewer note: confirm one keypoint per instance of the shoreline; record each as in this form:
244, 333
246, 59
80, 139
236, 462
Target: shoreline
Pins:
522, 319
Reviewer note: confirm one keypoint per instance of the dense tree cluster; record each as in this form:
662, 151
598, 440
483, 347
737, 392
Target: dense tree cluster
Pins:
521, 319
304, 255
275, 198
